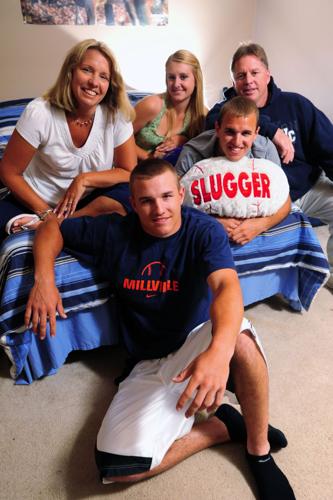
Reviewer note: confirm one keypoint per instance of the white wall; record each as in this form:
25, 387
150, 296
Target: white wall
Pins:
211, 29
296, 34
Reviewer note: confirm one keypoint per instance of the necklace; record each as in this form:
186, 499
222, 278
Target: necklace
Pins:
82, 123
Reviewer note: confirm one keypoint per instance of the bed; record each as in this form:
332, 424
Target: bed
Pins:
286, 260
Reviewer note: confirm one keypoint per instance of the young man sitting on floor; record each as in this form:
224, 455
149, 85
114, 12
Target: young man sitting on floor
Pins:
181, 315
236, 138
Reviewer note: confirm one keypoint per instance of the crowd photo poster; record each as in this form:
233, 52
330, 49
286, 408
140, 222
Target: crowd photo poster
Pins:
108, 12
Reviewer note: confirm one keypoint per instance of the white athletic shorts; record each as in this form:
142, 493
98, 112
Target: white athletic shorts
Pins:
142, 420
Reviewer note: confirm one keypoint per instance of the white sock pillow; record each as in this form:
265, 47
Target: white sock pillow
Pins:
250, 187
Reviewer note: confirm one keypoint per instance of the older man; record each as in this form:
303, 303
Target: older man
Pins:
302, 134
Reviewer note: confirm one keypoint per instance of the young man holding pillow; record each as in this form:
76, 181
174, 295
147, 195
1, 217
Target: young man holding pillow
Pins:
236, 136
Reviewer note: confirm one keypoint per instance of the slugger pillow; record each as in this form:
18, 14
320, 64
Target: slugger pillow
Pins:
250, 187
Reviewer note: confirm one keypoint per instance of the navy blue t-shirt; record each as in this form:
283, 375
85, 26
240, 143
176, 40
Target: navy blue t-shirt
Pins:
160, 284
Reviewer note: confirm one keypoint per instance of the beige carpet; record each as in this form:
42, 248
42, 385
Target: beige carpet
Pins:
48, 429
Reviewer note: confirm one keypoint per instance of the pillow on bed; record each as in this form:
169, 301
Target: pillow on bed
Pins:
250, 187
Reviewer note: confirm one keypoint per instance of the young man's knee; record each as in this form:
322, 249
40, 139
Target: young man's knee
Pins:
121, 467
246, 349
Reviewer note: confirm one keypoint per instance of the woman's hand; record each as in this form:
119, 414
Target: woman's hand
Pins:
67, 206
168, 145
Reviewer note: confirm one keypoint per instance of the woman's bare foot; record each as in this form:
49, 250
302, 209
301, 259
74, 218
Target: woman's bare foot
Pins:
22, 222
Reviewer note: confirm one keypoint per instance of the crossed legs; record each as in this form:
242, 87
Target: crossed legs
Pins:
249, 373
250, 376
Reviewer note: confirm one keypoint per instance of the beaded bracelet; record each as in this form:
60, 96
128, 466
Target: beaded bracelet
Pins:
43, 215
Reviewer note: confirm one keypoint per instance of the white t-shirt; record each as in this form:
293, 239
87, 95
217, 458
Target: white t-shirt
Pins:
57, 161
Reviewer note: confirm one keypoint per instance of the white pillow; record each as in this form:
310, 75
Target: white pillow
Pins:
250, 187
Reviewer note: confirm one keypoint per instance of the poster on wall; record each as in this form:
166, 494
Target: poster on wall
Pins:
89, 12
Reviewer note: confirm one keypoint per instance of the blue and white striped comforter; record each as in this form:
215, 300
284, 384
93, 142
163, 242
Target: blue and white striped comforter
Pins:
286, 259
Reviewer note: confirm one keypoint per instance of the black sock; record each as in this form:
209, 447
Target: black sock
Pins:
235, 424
272, 484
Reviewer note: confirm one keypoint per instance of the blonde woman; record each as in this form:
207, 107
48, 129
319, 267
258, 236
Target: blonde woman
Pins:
166, 121
73, 149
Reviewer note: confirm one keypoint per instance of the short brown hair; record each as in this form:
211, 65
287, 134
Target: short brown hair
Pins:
249, 49
61, 95
149, 168
239, 106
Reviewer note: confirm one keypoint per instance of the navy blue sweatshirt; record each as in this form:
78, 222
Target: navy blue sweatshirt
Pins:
310, 131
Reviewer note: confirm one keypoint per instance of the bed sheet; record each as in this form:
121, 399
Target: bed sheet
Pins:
286, 260
92, 318
291, 257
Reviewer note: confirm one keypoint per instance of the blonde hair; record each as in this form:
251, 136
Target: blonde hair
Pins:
196, 107
61, 95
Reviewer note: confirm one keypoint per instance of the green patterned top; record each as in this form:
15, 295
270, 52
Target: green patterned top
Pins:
148, 139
